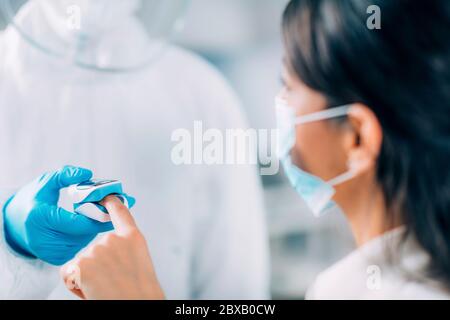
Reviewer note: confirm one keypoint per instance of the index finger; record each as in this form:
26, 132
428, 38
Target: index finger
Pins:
121, 217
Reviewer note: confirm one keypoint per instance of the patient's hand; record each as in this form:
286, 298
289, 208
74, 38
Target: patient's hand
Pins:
116, 267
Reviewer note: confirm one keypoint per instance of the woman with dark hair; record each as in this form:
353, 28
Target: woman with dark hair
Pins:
364, 124
393, 142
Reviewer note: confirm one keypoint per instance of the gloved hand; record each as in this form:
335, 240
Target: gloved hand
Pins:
35, 226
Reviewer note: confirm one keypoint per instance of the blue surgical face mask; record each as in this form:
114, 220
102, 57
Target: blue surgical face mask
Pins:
316, 193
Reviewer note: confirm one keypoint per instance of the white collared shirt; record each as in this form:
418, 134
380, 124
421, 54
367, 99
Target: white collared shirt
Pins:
384, 268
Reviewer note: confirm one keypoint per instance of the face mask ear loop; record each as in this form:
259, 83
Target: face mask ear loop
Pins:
323, 115
342, 178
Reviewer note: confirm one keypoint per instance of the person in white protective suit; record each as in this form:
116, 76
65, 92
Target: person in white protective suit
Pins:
204, 224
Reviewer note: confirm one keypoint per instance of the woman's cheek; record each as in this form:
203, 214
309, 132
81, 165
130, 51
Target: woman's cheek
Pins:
304, 151
313, 151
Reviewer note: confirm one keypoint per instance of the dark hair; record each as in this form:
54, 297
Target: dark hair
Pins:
401, 72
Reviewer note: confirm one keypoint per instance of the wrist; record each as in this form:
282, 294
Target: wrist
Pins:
9, 238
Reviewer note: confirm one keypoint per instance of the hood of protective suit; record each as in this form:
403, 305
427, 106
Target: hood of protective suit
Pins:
105, 35
87, 17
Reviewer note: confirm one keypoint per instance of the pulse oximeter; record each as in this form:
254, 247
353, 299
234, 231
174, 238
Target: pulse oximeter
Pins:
86, 198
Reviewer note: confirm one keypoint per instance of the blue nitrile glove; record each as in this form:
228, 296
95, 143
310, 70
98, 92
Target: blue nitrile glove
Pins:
35, 226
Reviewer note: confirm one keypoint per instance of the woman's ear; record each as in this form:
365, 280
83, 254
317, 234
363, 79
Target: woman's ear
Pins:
367, 137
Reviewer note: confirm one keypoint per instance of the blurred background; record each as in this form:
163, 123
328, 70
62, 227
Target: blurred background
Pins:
242, 39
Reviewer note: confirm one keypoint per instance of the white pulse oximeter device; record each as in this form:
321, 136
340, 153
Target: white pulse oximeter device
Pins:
86, 197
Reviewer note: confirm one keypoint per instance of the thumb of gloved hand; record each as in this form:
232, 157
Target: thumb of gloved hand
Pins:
31, 217
50, 184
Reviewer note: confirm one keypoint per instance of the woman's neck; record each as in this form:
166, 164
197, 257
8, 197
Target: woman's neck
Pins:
367, 215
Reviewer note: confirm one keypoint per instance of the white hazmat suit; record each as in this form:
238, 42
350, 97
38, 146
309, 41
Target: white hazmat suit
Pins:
205, 224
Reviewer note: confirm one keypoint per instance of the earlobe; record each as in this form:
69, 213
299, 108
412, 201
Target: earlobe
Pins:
369, 135
363, 164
